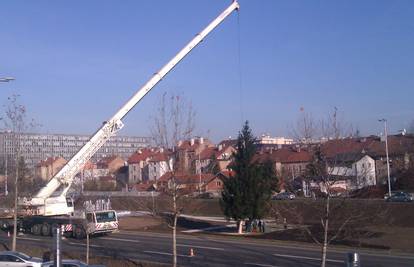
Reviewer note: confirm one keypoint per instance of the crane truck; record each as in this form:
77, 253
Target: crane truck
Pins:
51, 207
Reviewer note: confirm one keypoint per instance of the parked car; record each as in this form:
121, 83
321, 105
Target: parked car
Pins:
71, 263
284, 195
399, 197
206, 195
18, 259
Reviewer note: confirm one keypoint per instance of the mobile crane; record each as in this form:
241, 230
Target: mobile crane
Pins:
51, 207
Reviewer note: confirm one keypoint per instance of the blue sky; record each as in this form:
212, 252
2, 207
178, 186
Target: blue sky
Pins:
77, 62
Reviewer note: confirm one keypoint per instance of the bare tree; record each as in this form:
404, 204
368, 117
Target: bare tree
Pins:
324, 219
334, 126
15, 121
306, 128
174, 121
321, 171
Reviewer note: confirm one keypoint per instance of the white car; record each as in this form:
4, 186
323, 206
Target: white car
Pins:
18, 259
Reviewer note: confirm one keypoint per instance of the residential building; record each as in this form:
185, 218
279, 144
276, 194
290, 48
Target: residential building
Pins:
36, 147
89, 171
148, 164
204, 160
138, 166
188, 152
159, 163
109, 165
400, 147
359, 169
266, 139
221, 154
224, 155
46, 169
289, 163
215, 184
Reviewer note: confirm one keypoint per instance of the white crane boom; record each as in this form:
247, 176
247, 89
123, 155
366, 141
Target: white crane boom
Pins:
66, 175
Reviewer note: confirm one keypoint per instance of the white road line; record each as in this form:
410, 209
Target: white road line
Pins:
191, 246
306, 258
28, 238
121, 239
208, 228
260, 264
388, 256
179, 245
165, 253
77, 244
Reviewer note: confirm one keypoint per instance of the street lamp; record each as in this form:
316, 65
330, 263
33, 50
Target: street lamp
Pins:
7, 79
6, 191
386, 153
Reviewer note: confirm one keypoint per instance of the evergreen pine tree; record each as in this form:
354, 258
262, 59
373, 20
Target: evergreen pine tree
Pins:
247, 193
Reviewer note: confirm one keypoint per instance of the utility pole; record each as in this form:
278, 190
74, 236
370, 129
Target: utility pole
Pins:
6, 191
58, 256
87, 247
199, 172
386, 153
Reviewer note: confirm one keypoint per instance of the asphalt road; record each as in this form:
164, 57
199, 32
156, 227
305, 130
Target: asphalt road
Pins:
214, 251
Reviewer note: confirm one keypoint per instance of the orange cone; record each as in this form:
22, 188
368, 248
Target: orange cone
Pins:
192, 252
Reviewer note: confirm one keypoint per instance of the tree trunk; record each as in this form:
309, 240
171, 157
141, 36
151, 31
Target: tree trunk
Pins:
324, 248
15, 204
325, 232
87, 248
174, 229
240, 227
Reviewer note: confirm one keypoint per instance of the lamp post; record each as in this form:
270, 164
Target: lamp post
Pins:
386, 153
199, 162
6, 191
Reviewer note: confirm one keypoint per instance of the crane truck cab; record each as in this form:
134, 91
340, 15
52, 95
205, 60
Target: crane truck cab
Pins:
105, 221
93, 223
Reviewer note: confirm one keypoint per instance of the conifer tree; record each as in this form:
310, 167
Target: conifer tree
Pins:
246, 195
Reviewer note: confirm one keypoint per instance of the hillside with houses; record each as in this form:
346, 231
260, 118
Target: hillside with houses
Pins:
199, 166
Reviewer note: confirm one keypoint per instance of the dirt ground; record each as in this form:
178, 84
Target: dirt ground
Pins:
395, 238
141, 223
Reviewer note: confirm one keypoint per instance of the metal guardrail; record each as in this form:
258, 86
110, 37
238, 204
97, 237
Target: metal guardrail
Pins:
119, 194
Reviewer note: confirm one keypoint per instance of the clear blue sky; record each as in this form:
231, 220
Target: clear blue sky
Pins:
76, 62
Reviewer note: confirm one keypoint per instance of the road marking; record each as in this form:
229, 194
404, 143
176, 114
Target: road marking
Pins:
388, 256
260, 264
77, 244
165, 253
306, 258
28, 238
208, 228
191, 246
121, 239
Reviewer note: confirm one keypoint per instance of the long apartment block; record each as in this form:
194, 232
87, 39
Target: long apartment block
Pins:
35, 147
